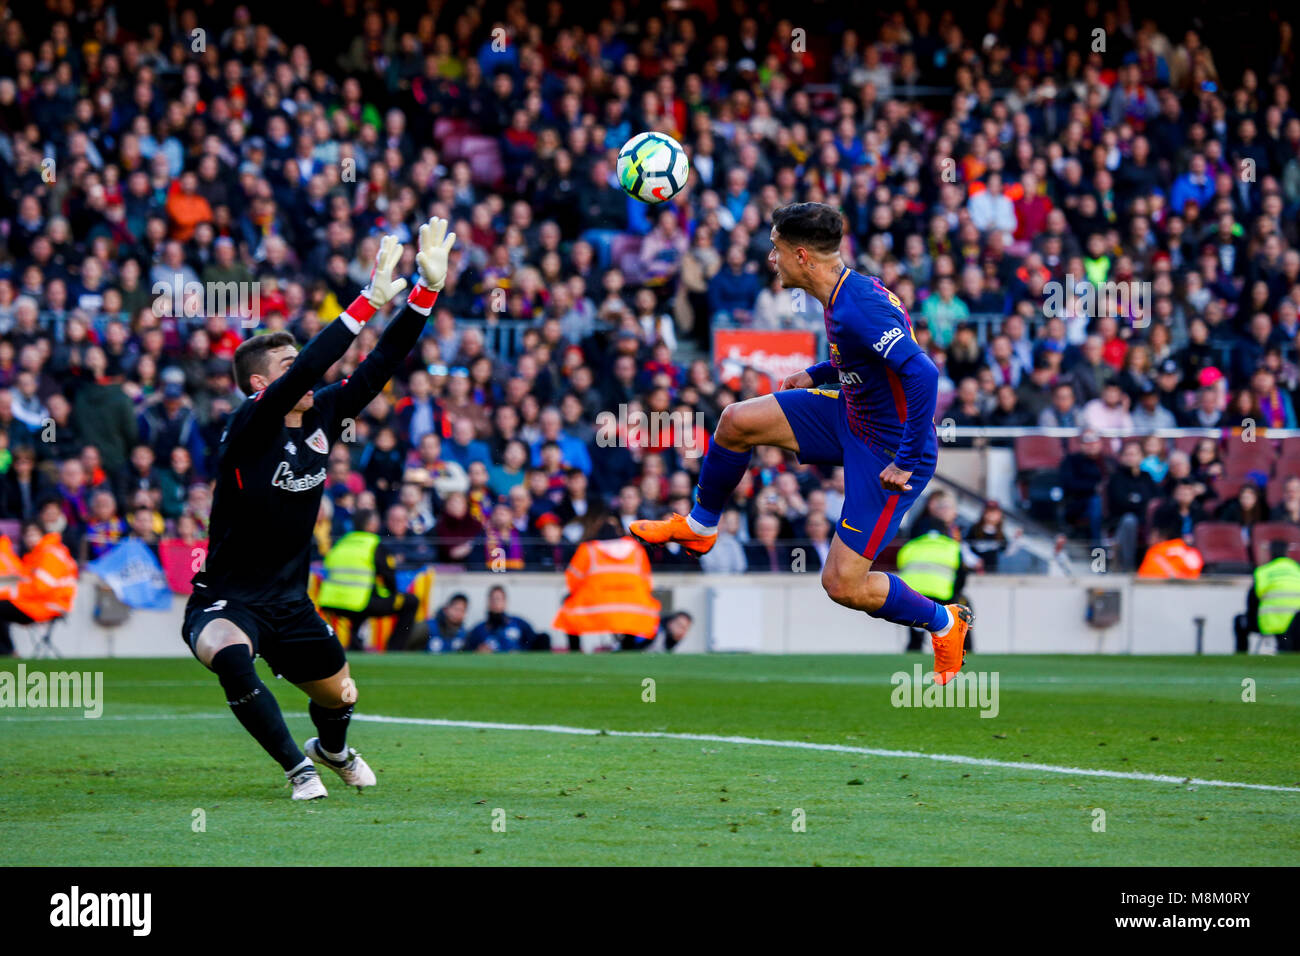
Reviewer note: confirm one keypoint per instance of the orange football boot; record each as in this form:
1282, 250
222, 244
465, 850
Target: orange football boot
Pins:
673, 529
950, 650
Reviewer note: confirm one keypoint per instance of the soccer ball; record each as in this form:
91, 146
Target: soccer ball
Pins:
652, 167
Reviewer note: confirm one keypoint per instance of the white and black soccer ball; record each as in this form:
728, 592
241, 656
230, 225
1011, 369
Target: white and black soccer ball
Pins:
652, 167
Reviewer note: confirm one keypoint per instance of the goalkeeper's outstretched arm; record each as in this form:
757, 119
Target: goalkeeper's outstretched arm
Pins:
355, 392
268, 407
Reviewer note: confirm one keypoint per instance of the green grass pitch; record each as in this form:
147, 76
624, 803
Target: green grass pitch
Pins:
123, 789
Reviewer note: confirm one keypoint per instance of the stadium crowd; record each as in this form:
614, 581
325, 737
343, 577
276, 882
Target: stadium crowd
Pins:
985, 159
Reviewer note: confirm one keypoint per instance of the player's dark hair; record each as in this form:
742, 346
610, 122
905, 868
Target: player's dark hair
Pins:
813, 224
361, 520
250, 357
1278, 549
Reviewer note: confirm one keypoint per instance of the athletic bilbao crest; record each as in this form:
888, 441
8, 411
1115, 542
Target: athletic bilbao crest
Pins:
317, 442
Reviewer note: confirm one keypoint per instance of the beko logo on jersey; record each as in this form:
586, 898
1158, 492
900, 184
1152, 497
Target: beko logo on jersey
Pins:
284, 478
888, 341
850, 378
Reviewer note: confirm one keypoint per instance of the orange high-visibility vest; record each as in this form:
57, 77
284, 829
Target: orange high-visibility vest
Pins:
51, 583
1174, 558
609, 590
11, 570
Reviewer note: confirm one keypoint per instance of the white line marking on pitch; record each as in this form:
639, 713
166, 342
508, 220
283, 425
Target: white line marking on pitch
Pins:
722, 739
834, 748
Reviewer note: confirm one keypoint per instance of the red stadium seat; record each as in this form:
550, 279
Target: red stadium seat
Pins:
1273, 494
1241, 457
1038, 452
1222, 546
1288, 461
1226, 488
1186, 443
1266, 532
1288, 448
1247, 471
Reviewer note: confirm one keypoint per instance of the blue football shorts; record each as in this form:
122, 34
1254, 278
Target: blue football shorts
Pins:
871, 516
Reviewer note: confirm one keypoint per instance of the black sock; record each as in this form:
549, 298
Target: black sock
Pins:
254, 705
331, 725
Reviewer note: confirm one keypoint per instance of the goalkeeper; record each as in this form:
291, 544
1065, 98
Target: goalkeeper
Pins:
250, 598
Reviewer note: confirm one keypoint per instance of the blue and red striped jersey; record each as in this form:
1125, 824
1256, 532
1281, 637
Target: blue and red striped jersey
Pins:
887, 380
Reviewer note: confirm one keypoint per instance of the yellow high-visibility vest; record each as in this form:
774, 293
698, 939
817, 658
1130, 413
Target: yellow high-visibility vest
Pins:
929, 564
1277, 584
349, 572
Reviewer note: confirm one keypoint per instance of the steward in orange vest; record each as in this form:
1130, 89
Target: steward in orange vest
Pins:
609, 590
1171, 557
45, 585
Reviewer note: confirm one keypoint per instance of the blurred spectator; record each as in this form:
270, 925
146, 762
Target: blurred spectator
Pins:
1150, 415
1064, 412
727, 556
1129, 489
1110, 411
1247, 509
1181, 512
986, 537
1082, 476
447, 630
1288, 510
501, 631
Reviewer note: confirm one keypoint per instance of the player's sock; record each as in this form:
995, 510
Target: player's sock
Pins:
912, 609
254, 706
720, 472
332, 727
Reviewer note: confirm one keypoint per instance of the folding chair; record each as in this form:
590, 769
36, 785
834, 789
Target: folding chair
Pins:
42, 634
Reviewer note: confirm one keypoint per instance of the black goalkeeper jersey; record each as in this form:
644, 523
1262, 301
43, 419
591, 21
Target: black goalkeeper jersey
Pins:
270, 477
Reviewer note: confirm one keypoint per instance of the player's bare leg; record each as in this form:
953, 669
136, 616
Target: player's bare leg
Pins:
228, 652
742, 427
849, 580
332, 700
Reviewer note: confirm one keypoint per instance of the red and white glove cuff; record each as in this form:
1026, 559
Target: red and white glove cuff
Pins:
358, 313
422, 298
